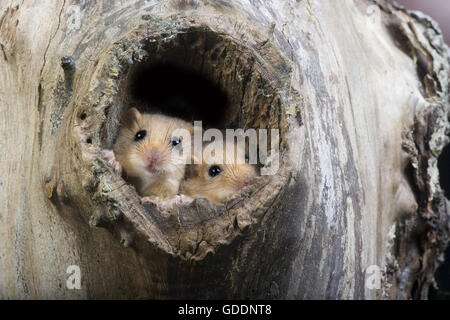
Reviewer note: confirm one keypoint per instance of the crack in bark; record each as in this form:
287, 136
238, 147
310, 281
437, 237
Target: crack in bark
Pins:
51, 39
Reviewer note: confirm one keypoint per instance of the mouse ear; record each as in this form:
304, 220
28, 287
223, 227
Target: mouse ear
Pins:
130, 117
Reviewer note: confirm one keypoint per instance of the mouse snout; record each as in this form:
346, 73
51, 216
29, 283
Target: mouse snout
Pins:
246, 180
153, 157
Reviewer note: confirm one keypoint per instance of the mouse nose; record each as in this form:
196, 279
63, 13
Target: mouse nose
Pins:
246, 180
153, 157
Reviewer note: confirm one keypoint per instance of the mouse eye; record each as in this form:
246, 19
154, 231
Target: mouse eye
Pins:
214, 171
140, 135
175, 142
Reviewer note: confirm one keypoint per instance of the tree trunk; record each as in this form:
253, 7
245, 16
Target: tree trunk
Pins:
358, 89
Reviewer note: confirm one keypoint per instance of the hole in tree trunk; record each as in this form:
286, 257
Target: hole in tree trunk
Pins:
193, 73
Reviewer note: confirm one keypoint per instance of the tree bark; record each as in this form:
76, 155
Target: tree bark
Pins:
358, 89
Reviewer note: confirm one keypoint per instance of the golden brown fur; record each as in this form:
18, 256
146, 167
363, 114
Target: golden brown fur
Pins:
233, 177
150, 164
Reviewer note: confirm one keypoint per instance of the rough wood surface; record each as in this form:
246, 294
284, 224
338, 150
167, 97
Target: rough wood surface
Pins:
359, 89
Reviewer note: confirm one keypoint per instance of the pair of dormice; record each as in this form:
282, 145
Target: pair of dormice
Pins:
149, 154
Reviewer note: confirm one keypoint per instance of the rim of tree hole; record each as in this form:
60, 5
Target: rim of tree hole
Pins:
208, 76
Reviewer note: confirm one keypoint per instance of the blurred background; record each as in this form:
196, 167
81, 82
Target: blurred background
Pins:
439, 10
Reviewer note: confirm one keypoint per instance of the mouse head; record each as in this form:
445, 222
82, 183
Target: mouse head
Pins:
149, 145
218, 180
